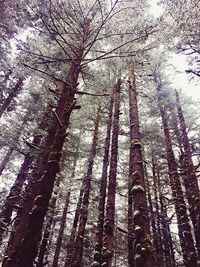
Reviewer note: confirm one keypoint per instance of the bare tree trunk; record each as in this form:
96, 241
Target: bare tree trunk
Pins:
189, 177
110, 208
155, 232
184, 228
71, 242
78, 253
142, 248
11, 95
13, 199
64, 215
6, 159
25, 249
47, 230
103, 186
158, 222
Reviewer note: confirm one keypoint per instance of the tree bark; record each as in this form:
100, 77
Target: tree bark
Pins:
71, 242
108, 245
184, 229
78, 253
64, 215
155, 232
11, 95
189, 176
25, 250
142, 247
157, 212
13, 200
47, 231
103, 185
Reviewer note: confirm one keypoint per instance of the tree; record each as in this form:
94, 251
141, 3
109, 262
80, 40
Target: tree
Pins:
142, 249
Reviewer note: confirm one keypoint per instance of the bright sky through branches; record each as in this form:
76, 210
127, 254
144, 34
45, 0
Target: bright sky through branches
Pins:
178, 64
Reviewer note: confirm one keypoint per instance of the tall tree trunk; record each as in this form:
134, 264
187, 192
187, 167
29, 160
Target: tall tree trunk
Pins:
64, 214
6, 159
155, 232
189, 177
11, 95
110, 208
103, 186
158, 222
14, 198
47, 230
25, 249
130, 216
142, 248
71, 242
78, 253
184, 228
168, 251
61, 231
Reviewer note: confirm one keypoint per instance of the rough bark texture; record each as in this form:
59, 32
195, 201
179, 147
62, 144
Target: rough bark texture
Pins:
6, 159
25, 250
189, 177
142, 248
78, 253
103, 185
12, 94
109, 226
184, 228
13, 200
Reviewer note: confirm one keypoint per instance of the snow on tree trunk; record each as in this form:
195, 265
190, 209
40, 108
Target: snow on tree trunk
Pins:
103, 186
142, 248
108, 244
25, 249
184, 228
189, 177
13, 200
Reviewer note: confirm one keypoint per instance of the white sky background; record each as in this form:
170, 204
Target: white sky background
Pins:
177, 65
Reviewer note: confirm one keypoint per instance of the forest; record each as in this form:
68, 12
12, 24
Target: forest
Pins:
100, 134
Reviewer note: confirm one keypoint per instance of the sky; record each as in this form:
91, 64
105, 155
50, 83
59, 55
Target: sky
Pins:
182, 81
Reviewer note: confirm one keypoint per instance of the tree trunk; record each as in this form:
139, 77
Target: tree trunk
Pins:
64, 215
158, 222
61, 231
154, 226
47, 231
78, 253
189, 177
25, 249
6, 159
71, 242
11, 95
103, 186
142, 248
184, 229
13, 199
110, 208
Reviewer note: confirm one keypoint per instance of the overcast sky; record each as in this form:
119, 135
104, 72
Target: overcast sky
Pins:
179, 78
